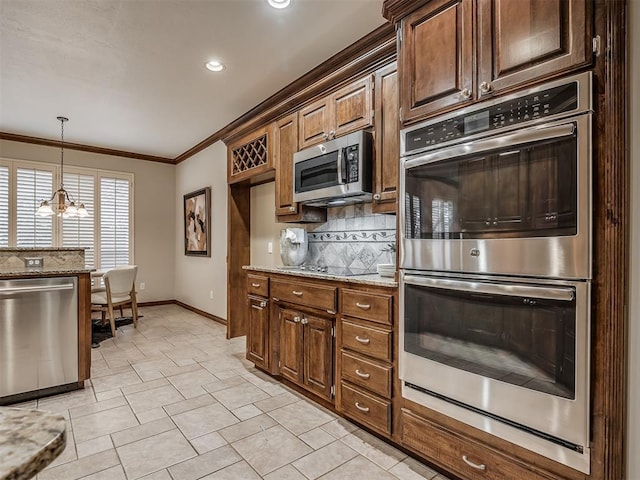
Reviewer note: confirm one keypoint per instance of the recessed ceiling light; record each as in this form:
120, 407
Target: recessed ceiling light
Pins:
279, 3
214, 66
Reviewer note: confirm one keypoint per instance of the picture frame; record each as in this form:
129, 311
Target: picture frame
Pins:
197, 223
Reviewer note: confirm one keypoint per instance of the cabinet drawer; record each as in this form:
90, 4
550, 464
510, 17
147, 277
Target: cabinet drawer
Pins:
371, 341
309, 295
257, 285
369, 306
366, 408
366, 373
464, 457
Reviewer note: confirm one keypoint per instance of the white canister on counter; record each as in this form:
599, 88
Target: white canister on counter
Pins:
293, 246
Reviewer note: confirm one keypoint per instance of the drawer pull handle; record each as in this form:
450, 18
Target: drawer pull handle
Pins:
361, 408
364, 341
364, 306
361, 374
257, 307
296, 293
481, 466
255, 285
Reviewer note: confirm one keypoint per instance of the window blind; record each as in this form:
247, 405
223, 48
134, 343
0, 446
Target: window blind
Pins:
33, 186
114, 222
4, 206
76, 231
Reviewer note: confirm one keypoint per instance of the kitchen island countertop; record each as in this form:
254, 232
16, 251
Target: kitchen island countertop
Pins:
29, 441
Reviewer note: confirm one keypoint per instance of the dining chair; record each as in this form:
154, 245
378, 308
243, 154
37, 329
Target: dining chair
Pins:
119, 291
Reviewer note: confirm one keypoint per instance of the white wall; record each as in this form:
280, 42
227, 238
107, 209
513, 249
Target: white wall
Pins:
197, 277
154, 209
264, 228
633, 423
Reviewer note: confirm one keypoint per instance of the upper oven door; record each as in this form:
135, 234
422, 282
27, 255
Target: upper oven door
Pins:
517, 203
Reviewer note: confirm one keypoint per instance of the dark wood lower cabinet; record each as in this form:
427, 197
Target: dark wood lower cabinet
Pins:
306, 351
461, 456
258, 332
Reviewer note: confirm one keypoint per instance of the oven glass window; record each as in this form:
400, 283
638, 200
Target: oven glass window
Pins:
522, 341
316, 173
516, 191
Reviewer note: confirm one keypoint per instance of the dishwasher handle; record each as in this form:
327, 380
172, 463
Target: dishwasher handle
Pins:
35, 289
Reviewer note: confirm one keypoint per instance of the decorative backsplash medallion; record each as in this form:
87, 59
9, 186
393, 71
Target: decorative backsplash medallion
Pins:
353, 237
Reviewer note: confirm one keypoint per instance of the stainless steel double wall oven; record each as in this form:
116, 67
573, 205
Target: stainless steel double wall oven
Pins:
495, 251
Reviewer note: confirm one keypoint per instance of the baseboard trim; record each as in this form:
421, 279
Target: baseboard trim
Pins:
210, 316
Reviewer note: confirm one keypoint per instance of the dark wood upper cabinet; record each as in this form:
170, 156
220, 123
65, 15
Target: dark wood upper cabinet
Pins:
287, 211
456, 51
436, 58
524, 40
346, 110
286, 146
387, 140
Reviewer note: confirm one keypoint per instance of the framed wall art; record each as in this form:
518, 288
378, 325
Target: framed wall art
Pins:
197, 223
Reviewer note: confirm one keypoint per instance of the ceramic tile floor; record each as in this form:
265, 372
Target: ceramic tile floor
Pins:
175, 400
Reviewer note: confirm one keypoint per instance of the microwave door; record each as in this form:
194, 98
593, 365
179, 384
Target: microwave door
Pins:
317, 173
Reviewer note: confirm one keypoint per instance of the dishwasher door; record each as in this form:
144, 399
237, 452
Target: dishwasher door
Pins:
38, 335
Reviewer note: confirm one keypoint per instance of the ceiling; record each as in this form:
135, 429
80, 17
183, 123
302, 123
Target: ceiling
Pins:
130, 74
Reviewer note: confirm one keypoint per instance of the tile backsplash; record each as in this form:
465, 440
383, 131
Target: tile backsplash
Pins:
353, 237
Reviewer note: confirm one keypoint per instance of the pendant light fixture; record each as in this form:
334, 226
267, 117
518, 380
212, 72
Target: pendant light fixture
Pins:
64, 204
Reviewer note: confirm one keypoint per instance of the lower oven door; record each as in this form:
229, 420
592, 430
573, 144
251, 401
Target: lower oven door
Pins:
511, 351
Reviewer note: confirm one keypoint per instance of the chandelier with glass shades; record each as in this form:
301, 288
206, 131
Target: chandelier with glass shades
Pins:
64, 204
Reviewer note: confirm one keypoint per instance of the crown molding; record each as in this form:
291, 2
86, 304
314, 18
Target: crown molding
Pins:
14, 137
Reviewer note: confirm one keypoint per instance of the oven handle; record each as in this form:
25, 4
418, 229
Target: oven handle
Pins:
527, 291
524, 136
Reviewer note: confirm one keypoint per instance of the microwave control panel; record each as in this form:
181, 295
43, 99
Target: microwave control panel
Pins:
350, 155
552, 101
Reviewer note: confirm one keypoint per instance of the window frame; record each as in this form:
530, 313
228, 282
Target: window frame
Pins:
57, 227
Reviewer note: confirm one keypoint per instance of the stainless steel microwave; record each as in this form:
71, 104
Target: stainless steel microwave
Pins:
337, 172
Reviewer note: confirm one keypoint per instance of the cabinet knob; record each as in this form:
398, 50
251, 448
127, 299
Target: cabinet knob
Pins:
465, 93
296, 319
304, 320
325, 136
377, 197
292, 208
485, 87
332, 134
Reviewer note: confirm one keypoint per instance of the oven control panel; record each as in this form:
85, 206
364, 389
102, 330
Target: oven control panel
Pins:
514, 111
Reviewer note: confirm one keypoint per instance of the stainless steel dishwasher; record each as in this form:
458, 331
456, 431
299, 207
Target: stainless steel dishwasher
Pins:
38, 337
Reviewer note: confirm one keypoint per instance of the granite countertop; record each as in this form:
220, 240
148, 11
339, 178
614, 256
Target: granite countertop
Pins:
11, 272
372, 279
29, 441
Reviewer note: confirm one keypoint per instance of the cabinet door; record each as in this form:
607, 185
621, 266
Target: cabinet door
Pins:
436, 58
523, 40
351, 108
286, 146
314, 123
387, 152
258, 332
291, 345
318, 355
